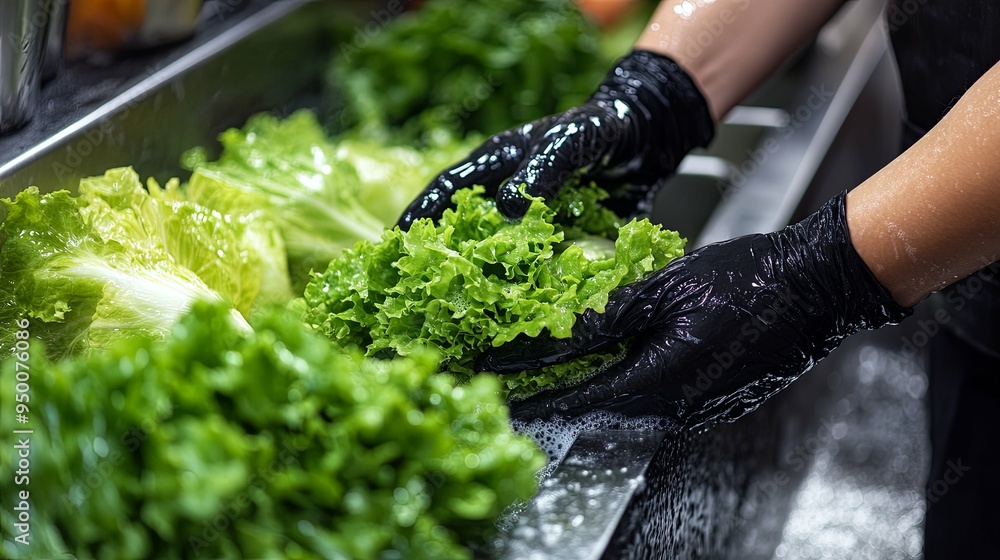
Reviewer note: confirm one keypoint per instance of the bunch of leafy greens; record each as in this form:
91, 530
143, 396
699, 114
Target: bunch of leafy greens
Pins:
476, 280
120, 260
465, 65
322, 195
221, 443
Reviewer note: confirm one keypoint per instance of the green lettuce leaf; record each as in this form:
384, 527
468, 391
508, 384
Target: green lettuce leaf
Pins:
323, 195
476, 280
119, 260
465, 66
217, 442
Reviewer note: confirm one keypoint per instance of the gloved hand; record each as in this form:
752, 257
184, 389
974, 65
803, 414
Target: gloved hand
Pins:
716, 332
629, 135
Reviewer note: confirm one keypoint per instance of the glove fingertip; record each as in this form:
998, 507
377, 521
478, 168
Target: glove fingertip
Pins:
406, 220
431, 203
511, 202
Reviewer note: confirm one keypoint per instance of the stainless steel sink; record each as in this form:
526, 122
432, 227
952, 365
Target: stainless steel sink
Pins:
145, 111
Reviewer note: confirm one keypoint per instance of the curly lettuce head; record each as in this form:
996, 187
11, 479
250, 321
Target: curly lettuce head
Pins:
475, 280
304, 449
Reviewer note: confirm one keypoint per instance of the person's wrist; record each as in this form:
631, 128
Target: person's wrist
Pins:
669, 115
853, 297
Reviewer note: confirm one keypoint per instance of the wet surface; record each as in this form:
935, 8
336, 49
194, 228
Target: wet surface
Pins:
844, 481
585, 498
863, 496
833, 467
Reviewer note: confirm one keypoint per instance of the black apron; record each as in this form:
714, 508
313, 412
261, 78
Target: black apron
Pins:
942, 48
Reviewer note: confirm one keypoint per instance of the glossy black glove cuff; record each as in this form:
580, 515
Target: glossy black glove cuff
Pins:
671, 116
848, 296
629, 136
823, 292
675, 117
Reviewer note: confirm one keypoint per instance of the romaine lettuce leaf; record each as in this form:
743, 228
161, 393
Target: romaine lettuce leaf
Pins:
475, 280
323, 195
119, 260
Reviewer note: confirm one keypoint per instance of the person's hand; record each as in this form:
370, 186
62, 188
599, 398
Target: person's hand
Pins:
629, 135
716, 332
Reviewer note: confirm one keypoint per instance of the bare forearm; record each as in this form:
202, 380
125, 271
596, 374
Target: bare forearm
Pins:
932, 216
729, 47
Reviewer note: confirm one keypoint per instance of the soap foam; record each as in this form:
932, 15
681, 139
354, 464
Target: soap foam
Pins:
556, 435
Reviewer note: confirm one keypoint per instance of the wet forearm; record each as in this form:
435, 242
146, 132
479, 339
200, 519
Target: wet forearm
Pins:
932, 216
729, 47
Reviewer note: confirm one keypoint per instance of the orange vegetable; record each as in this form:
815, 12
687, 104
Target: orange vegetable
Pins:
102, 25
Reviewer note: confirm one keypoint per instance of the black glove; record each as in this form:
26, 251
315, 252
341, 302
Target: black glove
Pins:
629, 135
716, 332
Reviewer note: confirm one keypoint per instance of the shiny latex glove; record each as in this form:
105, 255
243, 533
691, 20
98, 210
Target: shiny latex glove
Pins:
716, 332
628, 136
